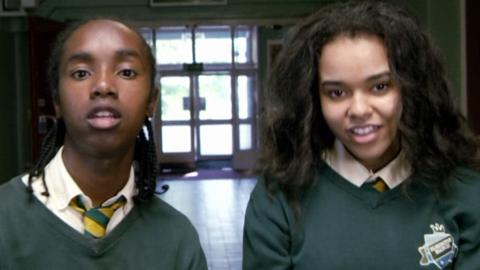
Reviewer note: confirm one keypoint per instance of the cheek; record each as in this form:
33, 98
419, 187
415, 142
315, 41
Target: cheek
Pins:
394, 116
395, 111
332, 113
137, 106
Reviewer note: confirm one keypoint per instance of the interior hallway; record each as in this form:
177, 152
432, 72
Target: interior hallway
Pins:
216, 207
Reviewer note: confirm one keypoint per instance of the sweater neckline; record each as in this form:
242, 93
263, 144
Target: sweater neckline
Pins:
366, 194
94, 247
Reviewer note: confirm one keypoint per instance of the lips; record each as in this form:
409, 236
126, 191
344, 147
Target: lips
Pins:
364, 130
364, 134
103, 118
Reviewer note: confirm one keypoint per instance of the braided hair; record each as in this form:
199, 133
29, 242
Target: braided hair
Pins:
145, 160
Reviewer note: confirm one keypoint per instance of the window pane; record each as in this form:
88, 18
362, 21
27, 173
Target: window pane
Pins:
242, 48
245, 136
216, 140
244, 97
176, 139
216, 89
175, 98
213, 45
174, 45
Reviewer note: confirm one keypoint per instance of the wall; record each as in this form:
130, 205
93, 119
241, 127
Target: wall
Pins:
14, 132
140, 10
444, 23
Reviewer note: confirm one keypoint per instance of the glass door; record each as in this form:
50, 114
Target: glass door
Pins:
214, 123
245, 154
206, 76
176, 129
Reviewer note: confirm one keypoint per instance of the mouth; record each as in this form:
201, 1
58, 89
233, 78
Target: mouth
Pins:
364, 134
103, 118
363, 130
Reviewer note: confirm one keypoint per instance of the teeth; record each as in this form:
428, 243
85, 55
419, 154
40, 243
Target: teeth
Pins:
104, 114
363, 130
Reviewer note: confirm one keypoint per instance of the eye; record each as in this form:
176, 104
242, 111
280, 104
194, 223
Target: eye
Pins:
80, 74
336, 93
127, 73
380, 87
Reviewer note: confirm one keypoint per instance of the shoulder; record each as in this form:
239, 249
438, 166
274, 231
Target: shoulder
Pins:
11, 190
462, 197
265, 205
263, 197
466, 184
11, 184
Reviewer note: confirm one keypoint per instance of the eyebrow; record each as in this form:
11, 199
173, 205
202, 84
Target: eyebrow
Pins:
368, 79
126, 53
379, 76
80, 56
87, 57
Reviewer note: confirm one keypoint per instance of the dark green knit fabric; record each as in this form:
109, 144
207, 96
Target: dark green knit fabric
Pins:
152, 236
344, 227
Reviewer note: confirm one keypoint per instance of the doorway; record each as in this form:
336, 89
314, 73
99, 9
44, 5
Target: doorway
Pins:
207, 111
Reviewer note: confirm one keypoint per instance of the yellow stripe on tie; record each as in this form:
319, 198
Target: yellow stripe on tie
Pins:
379, 185
95, 220
93, 228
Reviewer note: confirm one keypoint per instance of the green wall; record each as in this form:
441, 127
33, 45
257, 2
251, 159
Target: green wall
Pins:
140, 10
14, 99
444, 23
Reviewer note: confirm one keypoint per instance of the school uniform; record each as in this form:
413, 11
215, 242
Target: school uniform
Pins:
346, 224
39, 232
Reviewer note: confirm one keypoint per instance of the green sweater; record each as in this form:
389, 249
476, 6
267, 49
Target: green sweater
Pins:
344, 227
152, 236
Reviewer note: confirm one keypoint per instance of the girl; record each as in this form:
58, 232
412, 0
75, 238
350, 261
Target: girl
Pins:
85, 205
367, 163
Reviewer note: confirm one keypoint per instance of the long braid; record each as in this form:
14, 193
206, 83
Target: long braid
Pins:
146, 175
51, 143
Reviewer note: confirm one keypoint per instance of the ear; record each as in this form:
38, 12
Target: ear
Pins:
152, 103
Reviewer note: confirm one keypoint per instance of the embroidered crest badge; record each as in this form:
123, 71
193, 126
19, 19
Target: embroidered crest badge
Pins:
439, 248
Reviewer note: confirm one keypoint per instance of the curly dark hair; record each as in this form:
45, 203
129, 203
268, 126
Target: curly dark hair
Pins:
435, 136
144, 157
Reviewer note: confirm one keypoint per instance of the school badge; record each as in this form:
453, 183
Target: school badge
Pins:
439, 248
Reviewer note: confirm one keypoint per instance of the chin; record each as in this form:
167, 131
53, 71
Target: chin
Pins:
370, 156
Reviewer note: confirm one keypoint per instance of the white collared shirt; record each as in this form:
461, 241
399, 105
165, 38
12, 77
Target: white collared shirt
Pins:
63, 189
341, 161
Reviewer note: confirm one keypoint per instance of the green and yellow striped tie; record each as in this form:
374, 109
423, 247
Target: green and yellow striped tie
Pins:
96, 219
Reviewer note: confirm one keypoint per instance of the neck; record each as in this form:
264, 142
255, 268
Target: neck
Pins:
100, 178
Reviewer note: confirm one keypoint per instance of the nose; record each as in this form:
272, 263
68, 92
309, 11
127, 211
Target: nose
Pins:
360, 107
104, 85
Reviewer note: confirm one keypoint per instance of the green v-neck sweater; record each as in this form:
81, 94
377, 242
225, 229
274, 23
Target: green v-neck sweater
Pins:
152, 236
344, 227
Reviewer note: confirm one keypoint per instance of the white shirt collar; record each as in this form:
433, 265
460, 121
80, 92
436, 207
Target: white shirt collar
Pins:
63, 188
341, 161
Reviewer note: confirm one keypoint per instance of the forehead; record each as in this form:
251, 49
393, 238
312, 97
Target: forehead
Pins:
353, 57
103, 35
358, 40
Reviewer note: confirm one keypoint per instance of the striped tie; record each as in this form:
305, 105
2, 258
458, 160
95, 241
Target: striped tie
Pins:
96, 219
379, 185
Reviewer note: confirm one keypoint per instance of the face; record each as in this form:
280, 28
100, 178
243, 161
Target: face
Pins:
104, 88
360, 102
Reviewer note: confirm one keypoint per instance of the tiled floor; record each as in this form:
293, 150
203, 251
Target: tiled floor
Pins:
216, 207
